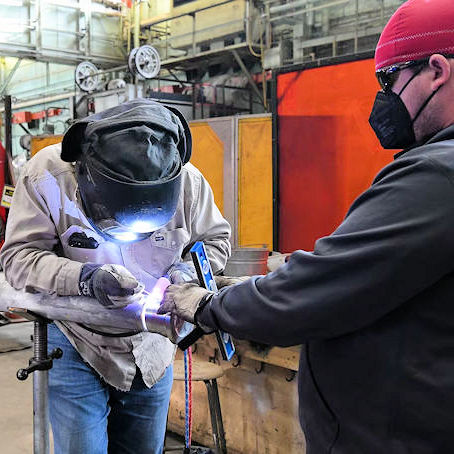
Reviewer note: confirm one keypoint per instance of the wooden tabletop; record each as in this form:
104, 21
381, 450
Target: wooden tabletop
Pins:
201, 370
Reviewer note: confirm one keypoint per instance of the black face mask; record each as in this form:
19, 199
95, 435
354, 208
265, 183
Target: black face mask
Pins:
391, 120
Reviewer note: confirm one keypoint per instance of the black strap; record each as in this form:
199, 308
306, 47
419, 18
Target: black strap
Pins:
191, 338
197, 332
425, 104
102, 333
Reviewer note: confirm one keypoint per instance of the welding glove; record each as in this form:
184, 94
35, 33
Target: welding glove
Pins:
112, 285
181, 272
225, 281
184, 300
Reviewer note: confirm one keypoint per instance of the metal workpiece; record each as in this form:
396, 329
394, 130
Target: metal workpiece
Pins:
170, 326
139, 316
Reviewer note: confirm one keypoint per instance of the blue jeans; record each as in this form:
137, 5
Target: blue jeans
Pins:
88, 416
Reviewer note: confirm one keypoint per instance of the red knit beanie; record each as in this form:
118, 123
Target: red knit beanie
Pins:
418, 29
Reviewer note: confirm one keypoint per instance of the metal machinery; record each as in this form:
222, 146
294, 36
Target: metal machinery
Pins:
60, 31
189, 44
205, 39
101, 90
143, 62
208, 32
299, 31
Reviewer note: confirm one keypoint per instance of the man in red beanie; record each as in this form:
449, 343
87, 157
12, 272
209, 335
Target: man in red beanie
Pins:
373, 303
413, 63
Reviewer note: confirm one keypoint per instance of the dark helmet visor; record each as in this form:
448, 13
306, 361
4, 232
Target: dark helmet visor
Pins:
126, 211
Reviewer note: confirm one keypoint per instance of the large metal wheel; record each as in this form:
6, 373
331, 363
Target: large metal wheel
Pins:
86, 76
131, 61
144, 61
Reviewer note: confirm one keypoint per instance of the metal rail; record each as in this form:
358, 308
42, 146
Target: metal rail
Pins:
80, 309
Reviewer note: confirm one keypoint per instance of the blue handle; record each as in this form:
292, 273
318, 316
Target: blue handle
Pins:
206, 278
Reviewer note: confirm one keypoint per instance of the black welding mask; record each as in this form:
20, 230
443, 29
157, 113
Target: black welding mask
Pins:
129, 161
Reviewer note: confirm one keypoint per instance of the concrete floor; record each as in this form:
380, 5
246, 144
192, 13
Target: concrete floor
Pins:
16, 415
16, 405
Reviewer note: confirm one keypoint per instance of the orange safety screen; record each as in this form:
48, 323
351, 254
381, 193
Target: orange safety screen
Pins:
208, 157
327, 151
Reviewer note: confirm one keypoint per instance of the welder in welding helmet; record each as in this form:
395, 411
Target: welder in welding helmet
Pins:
128, 167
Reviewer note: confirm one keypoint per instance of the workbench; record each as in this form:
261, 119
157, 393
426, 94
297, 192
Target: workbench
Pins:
259, 399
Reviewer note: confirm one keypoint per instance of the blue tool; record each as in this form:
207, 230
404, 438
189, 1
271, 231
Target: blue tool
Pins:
206, 278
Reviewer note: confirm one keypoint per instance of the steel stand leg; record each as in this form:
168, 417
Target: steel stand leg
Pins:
221, 433
40, 392
216, 416
40, 365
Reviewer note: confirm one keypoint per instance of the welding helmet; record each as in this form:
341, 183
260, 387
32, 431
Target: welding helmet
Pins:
129, 161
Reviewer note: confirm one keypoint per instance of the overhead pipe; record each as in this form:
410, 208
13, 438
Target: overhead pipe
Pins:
144, 10
137, 23
9, 174
287, 6
248, 75
248, 31
300, 3
10, 76
168, 17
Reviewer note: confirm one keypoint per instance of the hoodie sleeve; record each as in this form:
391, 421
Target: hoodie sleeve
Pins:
395, 243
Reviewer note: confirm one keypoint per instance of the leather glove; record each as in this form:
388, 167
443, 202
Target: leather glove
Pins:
184, 300
181, 272
112, 285
225, 281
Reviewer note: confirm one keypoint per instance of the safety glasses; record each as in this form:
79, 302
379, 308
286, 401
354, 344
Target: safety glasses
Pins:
387, 77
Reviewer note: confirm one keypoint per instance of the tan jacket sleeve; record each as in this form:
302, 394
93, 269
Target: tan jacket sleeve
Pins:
208, 225
28, 256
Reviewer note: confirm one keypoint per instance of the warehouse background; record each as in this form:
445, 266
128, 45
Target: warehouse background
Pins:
278, 93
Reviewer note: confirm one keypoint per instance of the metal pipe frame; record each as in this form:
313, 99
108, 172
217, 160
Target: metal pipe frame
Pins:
54, 55
40, 391
10, 76
151, 22
134, 317
41, 100
9, 174
34, 48
304, 10
248, 75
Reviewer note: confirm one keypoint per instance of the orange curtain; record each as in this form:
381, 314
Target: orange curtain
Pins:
328, 154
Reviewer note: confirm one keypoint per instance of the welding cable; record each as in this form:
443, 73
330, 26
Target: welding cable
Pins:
188, 398
186, 403
190, 393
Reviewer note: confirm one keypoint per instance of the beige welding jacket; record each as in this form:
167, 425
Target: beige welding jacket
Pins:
36, 256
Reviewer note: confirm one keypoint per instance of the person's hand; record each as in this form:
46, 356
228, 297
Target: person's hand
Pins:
225, 281
112, 285
181, 272
183, 300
